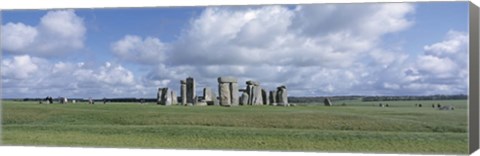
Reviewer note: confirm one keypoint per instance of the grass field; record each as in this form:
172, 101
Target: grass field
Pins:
356, 127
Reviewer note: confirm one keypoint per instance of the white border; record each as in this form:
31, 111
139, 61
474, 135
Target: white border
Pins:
74, 151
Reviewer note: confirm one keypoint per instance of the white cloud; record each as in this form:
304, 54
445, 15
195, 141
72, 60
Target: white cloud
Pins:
58, 32
27, 76
17, 36
146, 51
453, 44
19, 67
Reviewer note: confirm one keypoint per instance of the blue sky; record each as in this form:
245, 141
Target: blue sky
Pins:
315, 50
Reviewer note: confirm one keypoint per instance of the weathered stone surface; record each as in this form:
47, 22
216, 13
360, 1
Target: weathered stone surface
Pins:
258, 96
214, 99
250, 82
234, 94
273, 97
174, 98
327, 102
183, 92
244, 99
282, 96
164, 96
266, 100
224, 93
190, 90
250, 91
207, 94
227, 79
159, 95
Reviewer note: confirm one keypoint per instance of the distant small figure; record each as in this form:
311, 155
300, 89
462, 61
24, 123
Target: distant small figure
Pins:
386, 105
380, 105
142, 101
433, 105
419, 105
50, 100
104, 100
438, 105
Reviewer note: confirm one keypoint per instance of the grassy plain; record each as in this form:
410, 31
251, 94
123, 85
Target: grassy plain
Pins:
356, 127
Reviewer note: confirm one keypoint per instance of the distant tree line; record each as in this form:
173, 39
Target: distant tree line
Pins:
407, 98
376, 98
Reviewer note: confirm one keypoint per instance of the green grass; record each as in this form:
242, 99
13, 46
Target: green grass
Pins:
357, 127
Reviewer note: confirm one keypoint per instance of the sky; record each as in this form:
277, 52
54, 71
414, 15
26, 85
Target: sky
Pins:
314, 50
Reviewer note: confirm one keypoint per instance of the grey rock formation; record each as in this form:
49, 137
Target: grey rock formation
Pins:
165, 96
254, 92
282, 96
224, 93
208, 96
273, 98
183, 92
190, 90
327, 102
174, 98
244, 99
234, 93
227, 79
228, 91
266, 99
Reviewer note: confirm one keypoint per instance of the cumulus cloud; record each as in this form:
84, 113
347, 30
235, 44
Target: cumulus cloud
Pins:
28, 76
311, 48
58, 32
145, 51
315, 50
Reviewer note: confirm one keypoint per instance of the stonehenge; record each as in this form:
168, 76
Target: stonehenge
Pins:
228, 91
228, 94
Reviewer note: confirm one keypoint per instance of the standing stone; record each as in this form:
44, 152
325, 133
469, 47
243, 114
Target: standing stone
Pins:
224, 92
159, 95
190, 90
234, 93
265, 97
208, 95
273, 98
244, 99
183, 92
327, 102
228, 91
254, 91
249, 90
282, 98
258, 95
174, 98
166, 97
